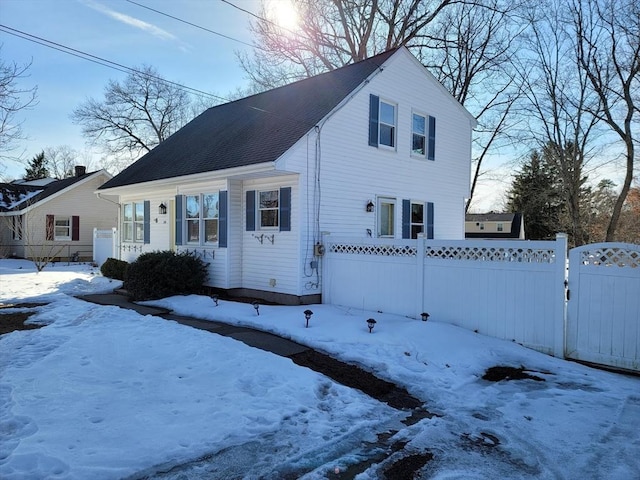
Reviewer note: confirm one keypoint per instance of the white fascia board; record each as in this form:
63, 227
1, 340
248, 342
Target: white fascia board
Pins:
174, 182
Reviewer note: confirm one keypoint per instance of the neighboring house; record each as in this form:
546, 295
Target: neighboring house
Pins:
378, 148
47, 216
494, 225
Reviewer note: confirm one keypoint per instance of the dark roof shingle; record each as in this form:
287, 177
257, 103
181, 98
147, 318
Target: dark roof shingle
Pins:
252, 130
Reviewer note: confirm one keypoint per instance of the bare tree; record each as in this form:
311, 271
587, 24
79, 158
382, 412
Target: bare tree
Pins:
62, 160
608, 49
468, 45
471, 51
333, 33
13, 99
559, 106
135, 115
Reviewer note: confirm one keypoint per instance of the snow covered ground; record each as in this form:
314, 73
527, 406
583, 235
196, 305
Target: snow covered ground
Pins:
106, 393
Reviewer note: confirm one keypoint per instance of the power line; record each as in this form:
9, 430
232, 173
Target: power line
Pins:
258, 17
195, 25
100, 61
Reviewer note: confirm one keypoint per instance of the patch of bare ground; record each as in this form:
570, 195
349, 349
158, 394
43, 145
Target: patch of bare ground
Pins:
355, 377
12, 321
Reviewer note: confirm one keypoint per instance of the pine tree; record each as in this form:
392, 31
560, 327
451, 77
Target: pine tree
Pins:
534, 193
37, 168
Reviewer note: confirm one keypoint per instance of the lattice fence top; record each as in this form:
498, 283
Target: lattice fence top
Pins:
493, 254
610, 257
380, 250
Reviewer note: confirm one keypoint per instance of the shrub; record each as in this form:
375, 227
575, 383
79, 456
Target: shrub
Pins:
157, 275
114, 268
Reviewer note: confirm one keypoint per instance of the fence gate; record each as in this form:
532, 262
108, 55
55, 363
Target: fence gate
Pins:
105, 245
603, 313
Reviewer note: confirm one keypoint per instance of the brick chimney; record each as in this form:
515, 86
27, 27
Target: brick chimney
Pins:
80, 170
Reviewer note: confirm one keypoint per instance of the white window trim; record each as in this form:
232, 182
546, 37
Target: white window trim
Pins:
424, 220
425, 134
201, 220
259, 210
395, 124
69, 226
386, 200
132, 222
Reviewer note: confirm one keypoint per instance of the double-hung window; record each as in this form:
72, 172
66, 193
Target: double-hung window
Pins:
419, 135
61, 228
382, 122
387, 124
268, 206
386, 216
423, 136
133, 222
202, 215
417, 219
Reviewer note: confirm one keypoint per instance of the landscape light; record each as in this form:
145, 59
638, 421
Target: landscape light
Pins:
371, 323
307, 315
214, 297
425, 316
256, 305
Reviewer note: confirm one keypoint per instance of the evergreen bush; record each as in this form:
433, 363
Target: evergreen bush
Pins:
114, 268
162, 274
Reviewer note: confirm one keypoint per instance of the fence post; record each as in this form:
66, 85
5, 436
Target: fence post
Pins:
420, 251
559, 300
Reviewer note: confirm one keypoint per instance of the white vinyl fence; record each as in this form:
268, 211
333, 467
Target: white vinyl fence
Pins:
513, 290
105, 245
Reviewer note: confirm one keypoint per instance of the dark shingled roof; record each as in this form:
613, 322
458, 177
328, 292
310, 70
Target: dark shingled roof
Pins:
252, 130
11, 193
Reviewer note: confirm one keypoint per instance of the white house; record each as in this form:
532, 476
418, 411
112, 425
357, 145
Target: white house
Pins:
374, 149
54, 217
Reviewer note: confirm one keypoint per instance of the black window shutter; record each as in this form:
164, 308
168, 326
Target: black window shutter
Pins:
285, 209
406, 218
222, 219
251, 210
75, 228
147, 221
179, 219
430, 220
374, 106
431, 149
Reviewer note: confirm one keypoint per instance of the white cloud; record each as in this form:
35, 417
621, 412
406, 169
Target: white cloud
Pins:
128, 20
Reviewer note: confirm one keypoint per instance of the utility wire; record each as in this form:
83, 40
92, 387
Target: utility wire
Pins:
195, 25
262, 19
101, 61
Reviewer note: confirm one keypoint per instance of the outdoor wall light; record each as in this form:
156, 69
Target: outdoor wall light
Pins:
425, 316
371, 323
256, 305
370, 206
307, 315
162, 209
215, 298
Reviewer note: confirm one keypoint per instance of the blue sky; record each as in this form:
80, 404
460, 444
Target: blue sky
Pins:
122, 32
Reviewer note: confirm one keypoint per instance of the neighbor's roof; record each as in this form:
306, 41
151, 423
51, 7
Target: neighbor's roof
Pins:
252, 130
489, 217
17, 196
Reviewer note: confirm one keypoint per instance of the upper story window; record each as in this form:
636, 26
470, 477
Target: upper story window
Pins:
387, 124
386, 216
423, 136
419, 135
133, 224
268, 206
202, 216
382, 122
